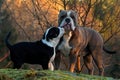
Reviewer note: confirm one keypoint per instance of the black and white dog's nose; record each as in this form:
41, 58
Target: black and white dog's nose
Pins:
67, 20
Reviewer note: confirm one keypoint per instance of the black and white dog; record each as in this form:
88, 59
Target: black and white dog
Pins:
40, 52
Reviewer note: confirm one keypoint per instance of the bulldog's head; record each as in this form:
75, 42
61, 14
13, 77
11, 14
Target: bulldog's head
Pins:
67, 19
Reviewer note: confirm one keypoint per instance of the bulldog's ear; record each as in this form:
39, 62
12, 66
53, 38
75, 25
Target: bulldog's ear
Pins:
75, 11
61, 10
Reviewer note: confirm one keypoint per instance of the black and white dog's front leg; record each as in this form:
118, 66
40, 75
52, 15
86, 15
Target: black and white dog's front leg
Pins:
50, 64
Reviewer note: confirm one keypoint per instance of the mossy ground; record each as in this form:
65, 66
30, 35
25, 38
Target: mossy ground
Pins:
15, 74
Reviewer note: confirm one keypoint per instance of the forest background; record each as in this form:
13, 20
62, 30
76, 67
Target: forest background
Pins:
28, 20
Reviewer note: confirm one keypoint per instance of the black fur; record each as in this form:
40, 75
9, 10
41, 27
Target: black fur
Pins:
31, 52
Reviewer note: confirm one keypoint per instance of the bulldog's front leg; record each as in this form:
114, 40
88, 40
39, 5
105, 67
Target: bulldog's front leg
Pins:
73, 59
57, 60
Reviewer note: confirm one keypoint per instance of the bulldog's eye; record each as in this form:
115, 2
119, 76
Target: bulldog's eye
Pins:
63, 16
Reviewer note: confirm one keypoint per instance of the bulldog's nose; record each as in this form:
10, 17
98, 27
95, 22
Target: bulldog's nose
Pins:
67, 20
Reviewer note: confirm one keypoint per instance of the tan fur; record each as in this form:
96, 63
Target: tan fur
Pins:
83, 37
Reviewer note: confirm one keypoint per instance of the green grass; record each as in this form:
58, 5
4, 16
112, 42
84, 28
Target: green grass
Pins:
15, 74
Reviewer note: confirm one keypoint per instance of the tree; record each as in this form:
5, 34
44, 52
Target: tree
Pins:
5, 27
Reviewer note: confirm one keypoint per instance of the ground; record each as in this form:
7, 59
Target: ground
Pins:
15, 74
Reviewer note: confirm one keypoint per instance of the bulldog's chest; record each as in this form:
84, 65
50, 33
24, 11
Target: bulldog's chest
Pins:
64, 46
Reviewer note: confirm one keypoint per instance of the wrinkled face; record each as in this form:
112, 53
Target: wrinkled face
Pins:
53, 33
67, 19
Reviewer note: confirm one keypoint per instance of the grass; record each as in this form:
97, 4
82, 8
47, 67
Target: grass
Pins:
15, 74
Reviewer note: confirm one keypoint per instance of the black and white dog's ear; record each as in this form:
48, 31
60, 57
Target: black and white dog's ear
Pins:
43, 36
46, 37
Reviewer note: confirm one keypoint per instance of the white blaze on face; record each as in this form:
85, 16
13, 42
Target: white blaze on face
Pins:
71, 20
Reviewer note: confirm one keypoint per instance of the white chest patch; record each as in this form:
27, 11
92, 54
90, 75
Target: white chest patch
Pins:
64, 47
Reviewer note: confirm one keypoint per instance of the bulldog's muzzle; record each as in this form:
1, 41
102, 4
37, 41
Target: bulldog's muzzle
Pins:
67, 25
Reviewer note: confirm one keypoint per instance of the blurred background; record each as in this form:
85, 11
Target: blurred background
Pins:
28, 20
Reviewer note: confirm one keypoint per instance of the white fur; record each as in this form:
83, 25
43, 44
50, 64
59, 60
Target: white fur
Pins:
64, 47
72, 22
50, 65
53, 43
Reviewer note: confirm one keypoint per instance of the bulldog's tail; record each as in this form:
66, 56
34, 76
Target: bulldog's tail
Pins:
108, 51
6, 40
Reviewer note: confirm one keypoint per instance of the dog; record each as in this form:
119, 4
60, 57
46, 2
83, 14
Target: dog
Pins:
80, 39
40, 52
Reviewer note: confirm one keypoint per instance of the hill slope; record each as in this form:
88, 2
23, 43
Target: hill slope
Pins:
14, 74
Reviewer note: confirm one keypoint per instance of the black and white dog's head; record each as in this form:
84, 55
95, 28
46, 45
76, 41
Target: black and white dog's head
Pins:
52, 36
67, 19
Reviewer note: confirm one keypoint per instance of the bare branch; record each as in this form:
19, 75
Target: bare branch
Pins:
115, 33
13, 17
4, 57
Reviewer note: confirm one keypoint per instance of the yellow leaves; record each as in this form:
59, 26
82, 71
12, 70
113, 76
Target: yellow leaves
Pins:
31, 73
104, 7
